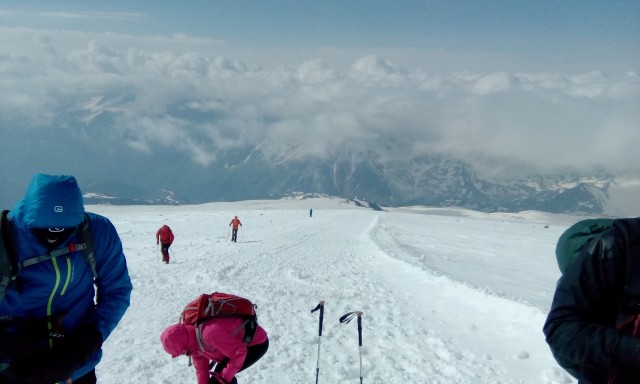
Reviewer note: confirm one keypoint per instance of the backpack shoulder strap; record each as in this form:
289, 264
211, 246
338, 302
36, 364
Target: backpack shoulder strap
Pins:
84, 244
7, 257
249, 327
201, 344
86, 238
630, 231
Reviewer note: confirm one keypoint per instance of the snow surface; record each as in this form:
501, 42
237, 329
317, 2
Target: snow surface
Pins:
448, 295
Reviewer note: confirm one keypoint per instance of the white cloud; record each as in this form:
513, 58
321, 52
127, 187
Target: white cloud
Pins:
129, 16
181, 92
495, 82
375, 66
316, 71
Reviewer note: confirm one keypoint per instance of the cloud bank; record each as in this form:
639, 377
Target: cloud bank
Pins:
185, 93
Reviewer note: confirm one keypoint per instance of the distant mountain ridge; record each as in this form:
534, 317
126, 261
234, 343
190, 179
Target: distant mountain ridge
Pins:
436, 182
114, 166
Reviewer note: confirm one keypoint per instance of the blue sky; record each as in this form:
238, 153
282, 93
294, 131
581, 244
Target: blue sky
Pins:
537, 35
549, 85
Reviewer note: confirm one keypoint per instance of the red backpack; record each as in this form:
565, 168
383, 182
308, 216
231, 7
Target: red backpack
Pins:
217, 304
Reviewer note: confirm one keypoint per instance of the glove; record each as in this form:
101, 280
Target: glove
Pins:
32, 336
76, 348
11, 376
13, 346
67, 355
216, 378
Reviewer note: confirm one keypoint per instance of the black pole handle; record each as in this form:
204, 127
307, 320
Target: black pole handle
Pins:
320, 306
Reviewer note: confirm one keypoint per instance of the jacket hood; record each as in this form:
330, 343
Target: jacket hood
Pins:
175, 339
52, 202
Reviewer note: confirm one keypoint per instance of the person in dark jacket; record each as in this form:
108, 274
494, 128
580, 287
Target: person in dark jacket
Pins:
164, 236
592, 326
55, 316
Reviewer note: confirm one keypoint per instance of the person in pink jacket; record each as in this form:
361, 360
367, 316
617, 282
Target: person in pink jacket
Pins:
222, 345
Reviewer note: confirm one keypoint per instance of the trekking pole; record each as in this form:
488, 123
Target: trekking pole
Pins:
346, 318
320, 306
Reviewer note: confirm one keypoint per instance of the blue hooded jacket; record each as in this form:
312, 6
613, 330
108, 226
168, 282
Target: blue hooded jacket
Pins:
64, 286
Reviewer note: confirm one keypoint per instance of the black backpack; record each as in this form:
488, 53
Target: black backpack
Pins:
581, 237
9, 265
576, 238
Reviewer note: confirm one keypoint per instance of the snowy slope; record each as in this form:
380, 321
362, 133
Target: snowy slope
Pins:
449, 296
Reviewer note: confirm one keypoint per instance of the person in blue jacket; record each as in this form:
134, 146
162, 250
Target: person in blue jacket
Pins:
55, 315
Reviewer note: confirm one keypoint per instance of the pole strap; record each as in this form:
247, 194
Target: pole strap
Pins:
347, 317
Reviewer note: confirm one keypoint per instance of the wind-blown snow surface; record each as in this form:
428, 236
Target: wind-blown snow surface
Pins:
449, 296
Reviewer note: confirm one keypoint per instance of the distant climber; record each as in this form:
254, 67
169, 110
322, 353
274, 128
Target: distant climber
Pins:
235, 222
164, 237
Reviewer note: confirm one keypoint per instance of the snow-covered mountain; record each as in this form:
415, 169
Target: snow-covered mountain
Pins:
115, 167
430, 180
